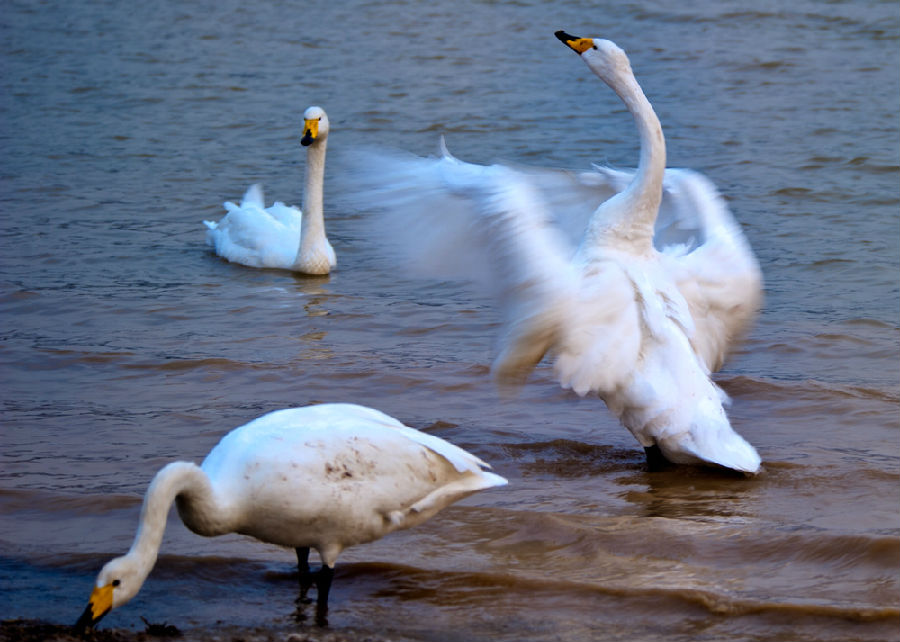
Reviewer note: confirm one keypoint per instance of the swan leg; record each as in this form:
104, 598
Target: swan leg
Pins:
306, 578
323, 577
655, 459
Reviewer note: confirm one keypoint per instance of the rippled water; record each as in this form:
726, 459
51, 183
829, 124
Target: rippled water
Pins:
126, 344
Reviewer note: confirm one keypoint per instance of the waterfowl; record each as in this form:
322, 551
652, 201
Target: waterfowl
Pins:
281, 236
326, 477
639, 306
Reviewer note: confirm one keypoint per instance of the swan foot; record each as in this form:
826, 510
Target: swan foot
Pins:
655, 459
321, 578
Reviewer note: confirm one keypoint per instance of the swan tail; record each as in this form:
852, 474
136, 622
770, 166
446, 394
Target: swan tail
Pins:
731, 451
719, 445
442, 497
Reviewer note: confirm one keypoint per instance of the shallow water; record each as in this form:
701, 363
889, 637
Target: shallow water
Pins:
126, 344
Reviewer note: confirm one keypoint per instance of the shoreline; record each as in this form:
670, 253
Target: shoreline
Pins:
21, 630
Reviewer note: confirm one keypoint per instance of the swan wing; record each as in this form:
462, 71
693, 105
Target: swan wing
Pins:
252, 235
570, 197
369, 421
335, 475
254, 197
711, 261
705, 252
487, 224
287, 215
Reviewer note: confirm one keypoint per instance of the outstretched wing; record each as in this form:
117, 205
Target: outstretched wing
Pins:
484, 223
704, 249
714, 267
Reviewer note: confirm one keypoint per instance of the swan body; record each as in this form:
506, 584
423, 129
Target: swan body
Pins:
281, 236
638, 282
327, 477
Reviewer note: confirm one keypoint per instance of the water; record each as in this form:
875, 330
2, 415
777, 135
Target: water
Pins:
126, 344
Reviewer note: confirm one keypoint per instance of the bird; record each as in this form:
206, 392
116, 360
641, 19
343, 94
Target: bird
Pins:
638, 283
325, 476
281, 236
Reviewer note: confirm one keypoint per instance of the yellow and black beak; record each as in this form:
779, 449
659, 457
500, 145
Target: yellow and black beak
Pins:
576, 44
99, 605
310, 131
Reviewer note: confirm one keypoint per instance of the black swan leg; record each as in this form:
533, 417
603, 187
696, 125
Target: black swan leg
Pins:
324, 576
321, 578
655, 459
306, 577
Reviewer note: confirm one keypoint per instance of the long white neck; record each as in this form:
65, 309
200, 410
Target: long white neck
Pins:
188, 484
632, 214
312, 252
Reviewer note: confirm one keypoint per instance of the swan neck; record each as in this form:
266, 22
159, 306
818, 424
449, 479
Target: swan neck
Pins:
647, 182
172, 481
313, 222
638, 205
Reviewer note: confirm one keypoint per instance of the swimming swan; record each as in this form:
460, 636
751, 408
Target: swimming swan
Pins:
281, 236
325, 476
642, 302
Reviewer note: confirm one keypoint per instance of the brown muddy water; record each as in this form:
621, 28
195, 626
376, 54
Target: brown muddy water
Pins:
126, 344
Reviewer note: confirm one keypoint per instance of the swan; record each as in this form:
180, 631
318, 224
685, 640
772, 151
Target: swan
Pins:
281, 236
326, 476
638, 282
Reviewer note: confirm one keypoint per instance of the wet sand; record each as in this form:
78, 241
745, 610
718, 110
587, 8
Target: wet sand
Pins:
38, 631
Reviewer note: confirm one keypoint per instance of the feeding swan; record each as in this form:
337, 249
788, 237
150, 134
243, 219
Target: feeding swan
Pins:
327, 477
281, 236
638, 308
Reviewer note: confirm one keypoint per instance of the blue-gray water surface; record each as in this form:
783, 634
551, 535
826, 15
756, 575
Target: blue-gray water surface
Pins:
126, 344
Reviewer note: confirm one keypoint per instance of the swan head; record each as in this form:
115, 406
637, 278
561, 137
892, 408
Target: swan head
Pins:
315, 126
118, 581
604, 57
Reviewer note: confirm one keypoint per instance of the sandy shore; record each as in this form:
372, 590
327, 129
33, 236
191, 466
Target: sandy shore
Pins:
37, 631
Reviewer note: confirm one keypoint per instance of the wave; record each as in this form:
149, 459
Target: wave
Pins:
793, 390
470, 589
21, 500
212, 363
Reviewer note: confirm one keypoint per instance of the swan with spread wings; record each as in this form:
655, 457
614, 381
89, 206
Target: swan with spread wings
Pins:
646, 303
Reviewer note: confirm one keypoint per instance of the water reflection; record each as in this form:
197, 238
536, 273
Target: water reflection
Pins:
687, 492
315, 294
572, 459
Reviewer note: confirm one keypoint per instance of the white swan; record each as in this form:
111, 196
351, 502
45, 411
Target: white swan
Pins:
281, 236
326, 476
637, 316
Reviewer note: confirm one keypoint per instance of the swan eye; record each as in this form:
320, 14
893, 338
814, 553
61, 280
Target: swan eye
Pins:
116, 582
593, 46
